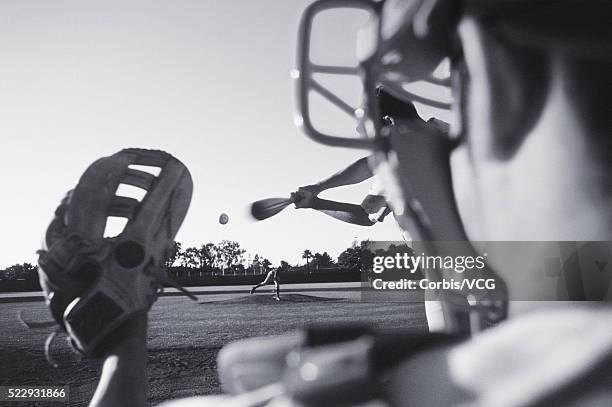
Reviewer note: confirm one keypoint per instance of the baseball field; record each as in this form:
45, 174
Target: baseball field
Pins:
184, 337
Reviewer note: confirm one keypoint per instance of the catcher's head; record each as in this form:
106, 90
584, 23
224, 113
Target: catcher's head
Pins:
530, 88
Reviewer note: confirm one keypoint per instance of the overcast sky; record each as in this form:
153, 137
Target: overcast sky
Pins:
207, 81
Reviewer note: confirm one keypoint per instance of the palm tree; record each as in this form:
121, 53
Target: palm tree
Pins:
307, 255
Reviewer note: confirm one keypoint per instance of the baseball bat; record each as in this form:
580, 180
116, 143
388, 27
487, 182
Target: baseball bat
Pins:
265, 208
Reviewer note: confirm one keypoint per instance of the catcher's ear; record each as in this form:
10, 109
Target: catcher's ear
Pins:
506, 90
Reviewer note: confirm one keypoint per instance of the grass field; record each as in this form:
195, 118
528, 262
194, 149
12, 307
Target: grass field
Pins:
184, 338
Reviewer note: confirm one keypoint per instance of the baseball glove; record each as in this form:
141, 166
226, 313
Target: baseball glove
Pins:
94, 284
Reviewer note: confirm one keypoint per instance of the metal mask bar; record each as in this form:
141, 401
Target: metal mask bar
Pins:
306, 69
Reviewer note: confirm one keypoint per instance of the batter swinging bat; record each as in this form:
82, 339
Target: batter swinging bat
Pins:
265, 208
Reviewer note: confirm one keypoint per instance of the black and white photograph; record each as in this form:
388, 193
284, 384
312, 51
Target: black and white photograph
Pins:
328, 203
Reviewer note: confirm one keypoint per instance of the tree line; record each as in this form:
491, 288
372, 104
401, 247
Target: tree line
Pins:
224, 258
227, 257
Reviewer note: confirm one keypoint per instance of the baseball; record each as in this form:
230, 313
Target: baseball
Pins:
223, 218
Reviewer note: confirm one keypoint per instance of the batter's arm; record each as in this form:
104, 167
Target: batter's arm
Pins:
355, 173
346, 212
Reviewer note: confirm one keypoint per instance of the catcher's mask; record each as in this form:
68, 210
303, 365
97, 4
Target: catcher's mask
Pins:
402, 46
408, 62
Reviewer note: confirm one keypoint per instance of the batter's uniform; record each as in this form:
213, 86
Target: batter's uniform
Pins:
375, 205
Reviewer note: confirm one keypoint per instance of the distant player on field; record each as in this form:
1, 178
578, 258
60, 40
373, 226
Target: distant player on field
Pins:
271, 277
